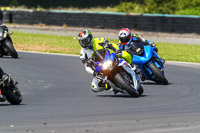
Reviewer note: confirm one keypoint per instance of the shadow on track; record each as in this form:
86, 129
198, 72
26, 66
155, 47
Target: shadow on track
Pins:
153, 83
9, 57
7, 104
120, 96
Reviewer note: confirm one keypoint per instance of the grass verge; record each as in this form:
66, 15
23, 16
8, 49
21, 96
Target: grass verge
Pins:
69, 45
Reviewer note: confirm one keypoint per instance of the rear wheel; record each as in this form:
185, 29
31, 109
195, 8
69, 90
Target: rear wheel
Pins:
158, 74
123, 83
9, 48
14, 96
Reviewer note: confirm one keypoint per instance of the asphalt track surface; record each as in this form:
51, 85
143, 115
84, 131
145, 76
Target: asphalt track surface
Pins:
57, 99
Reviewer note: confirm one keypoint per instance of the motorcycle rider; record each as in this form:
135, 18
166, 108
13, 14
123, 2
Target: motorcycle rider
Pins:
125, 38
1, 24
89, 46
2, 97
6, 28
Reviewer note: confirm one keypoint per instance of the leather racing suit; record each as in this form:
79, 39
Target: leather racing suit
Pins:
97, 85
137, 38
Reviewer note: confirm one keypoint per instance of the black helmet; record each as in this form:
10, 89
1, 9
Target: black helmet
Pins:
124, 35
85, 39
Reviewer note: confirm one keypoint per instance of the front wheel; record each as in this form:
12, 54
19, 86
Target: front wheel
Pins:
14, 96
158, 74
123, 83
140, 90
9, 48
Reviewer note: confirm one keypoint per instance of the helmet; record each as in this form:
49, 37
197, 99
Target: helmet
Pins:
85, 39
124, 35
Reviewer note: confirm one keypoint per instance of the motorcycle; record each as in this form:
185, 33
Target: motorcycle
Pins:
116, 72
148, 61
9, 90
6, 44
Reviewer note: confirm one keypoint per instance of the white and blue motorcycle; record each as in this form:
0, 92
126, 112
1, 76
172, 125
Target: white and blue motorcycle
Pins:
116, 72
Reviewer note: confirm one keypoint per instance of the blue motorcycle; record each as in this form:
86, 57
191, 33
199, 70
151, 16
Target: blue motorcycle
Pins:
148, 61
116, 72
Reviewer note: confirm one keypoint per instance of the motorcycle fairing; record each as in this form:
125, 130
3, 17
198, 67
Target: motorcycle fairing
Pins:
145, 58
150, 56
128, 68
109, 55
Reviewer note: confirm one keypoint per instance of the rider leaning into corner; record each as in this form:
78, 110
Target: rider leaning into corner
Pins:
2, 25
126, 39
89, 46
2, 97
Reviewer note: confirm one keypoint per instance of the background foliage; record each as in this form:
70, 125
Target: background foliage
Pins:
60, 3
182, 7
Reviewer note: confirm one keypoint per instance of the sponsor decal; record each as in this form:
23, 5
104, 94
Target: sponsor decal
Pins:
138, 50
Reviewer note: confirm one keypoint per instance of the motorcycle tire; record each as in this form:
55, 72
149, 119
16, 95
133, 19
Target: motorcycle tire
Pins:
140, 90
158, 73
14, 96
1, 52
125, 85
10, 49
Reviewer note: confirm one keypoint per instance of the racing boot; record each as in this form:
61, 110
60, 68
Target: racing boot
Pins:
134, 68
107, 86
138, 71
103, 83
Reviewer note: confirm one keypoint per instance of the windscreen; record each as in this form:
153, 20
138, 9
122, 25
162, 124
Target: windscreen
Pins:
137, 48
99, 55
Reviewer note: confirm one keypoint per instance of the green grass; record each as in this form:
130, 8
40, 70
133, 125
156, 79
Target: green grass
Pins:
45, 43
179, 52
69, 45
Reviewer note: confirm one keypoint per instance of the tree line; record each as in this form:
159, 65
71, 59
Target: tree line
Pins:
182, 7
60, 3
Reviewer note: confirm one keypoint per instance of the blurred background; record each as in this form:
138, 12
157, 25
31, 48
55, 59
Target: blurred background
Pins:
145, 15
177, 16
180, 7
165, 22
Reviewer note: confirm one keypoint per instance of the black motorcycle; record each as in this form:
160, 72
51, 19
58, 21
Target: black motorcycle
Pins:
6, 44
9, 90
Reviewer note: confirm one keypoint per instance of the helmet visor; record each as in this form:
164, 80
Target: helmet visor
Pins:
124, 39
84, 43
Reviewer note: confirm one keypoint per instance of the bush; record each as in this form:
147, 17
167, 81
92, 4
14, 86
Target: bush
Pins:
160, 6
182, 7
189, 11
187, 4
129, 7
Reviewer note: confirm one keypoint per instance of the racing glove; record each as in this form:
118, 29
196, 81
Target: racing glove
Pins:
118, 51
89, 62
153, 45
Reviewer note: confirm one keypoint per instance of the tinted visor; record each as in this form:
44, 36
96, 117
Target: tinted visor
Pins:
84, 43
124, 39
